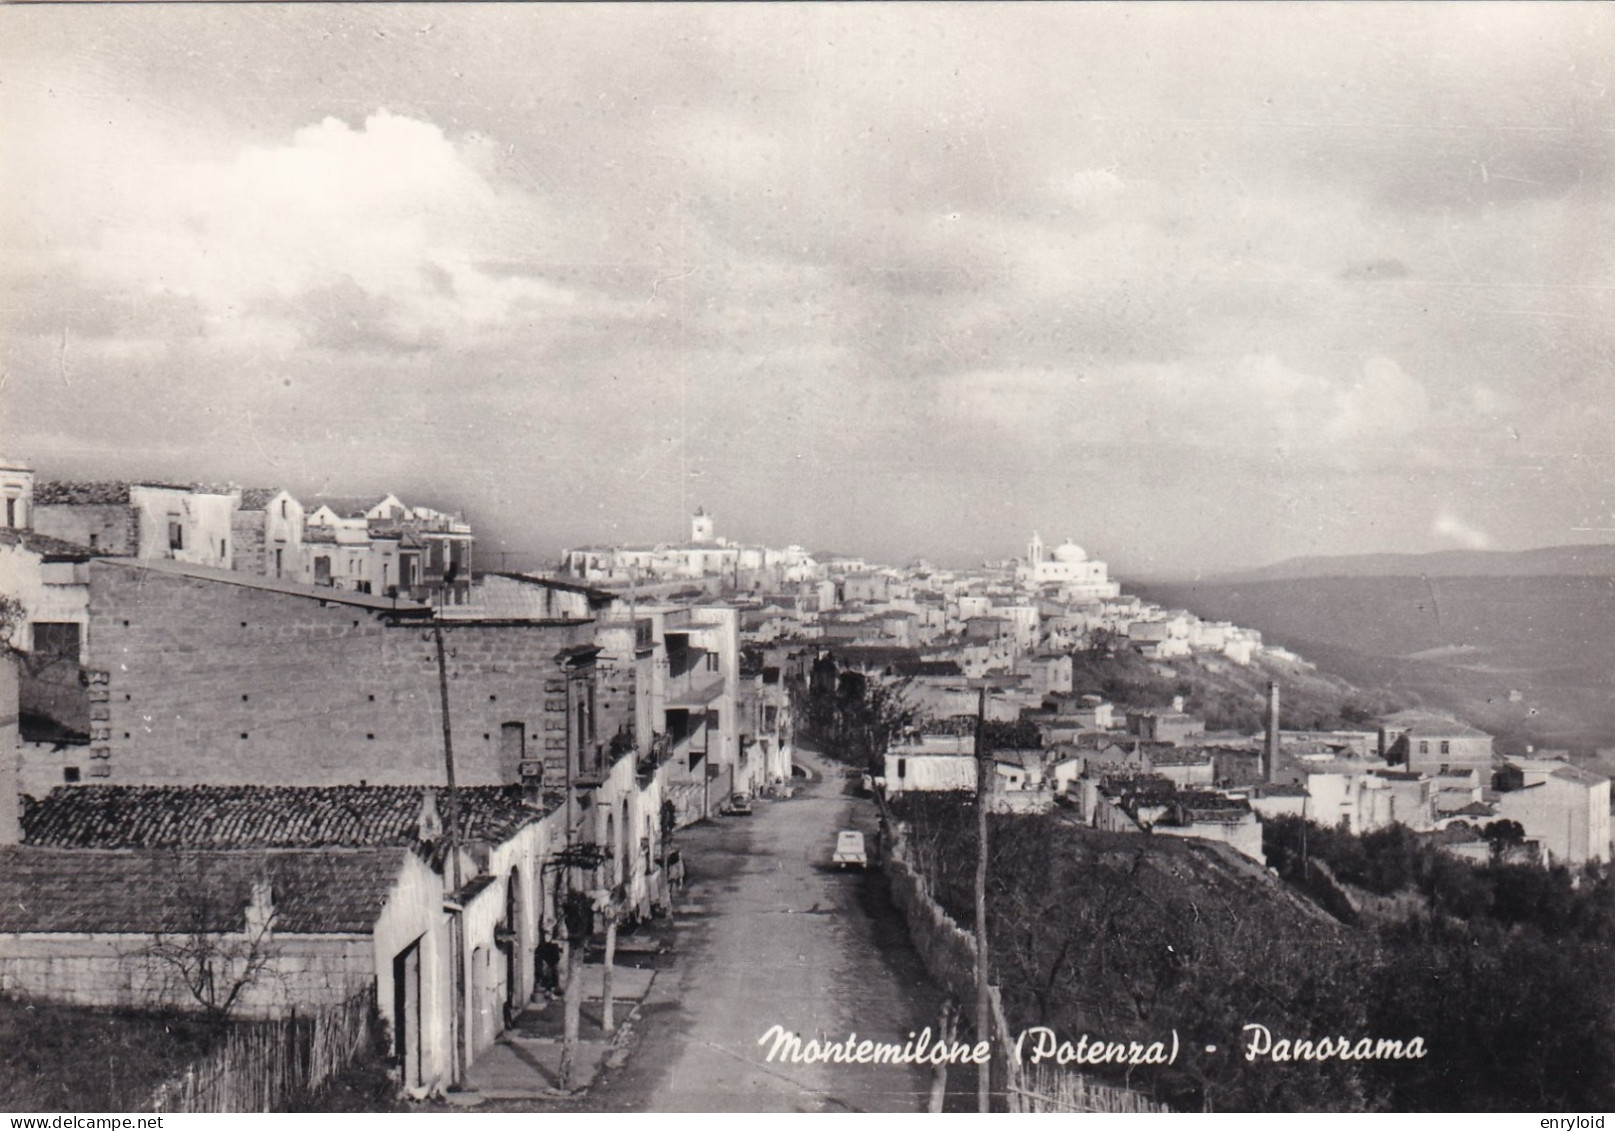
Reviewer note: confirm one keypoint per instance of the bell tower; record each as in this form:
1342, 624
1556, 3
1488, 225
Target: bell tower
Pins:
1034, 550
700, 526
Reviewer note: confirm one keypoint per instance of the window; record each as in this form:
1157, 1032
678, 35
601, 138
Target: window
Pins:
95, 540
11, 512
512, 745
712, 661
224, 550
1446, 747
713, 721
902, 767
283, 508
278, 561
1424, 747
58, 640
176, 534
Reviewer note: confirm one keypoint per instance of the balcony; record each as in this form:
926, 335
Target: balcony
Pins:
693, 689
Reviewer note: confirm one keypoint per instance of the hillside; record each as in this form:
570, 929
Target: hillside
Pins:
1133, 938
1530, 658
1547, 561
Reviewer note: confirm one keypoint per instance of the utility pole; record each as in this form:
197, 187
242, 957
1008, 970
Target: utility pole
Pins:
984, 779
984, 1018
457, 920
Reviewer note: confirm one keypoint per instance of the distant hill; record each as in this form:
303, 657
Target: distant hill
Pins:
1530, 658
1547, 561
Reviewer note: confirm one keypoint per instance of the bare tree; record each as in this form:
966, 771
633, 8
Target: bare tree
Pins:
210, 952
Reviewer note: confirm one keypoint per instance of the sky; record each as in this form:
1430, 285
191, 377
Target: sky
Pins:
1199, 286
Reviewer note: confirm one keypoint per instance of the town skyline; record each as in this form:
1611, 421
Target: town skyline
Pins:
1201, 293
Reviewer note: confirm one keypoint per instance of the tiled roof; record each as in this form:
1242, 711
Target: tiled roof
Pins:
145, 892
54, 493
51, 549
258, 817
257, 498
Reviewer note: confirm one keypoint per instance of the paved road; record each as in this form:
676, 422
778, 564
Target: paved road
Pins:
771, 935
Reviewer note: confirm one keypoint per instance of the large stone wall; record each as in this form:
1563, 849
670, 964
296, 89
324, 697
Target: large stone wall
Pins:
199, 681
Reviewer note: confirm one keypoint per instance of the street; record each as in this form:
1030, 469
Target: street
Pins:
770, 934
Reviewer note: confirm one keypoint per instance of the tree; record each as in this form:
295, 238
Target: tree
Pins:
12, 617
851, 717
577, 915
1505, 837
200, 954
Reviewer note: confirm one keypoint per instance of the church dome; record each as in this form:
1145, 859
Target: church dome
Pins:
1069, 552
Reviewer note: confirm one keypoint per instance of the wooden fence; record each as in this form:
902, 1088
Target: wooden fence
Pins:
1043, 1089
262, 1065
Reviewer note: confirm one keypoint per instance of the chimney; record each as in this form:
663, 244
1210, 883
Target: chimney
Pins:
260, 916
1270, 748
429, 826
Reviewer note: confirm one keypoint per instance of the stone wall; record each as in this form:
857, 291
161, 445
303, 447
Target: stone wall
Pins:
203, 682
247, 542
114, 971
946, 951
109, 528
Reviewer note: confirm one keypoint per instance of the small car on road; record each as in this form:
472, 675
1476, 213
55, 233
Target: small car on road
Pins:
739, 805
849, 851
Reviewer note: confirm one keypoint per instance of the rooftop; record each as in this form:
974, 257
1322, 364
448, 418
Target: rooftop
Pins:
346, 506
245, 580
51, 549
144, 892
73, 493
258, 817
257, 498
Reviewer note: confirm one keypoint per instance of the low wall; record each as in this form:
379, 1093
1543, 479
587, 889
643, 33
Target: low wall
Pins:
947, 952
119, 971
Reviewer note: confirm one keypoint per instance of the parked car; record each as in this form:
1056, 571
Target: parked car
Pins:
739, 805
849, 851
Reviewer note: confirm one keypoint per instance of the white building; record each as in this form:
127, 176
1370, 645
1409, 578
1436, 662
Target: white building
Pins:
1562, 807
1068, 567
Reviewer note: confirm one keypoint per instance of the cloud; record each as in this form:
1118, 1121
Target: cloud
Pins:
367, 238
1450, 528
1249, 407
